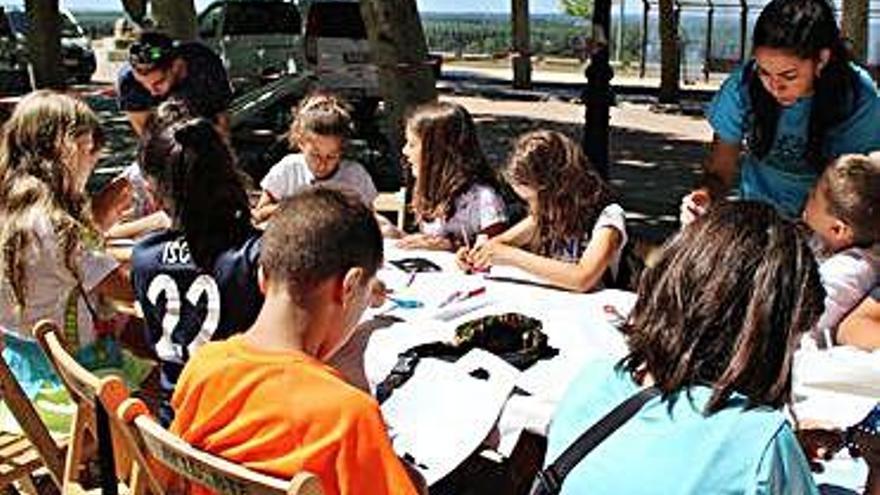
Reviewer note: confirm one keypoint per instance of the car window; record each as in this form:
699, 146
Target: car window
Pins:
262, 18
19, 21
69, 28
209, 20
336, 20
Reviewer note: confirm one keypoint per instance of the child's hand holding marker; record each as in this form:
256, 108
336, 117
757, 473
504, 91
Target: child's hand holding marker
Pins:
465, 254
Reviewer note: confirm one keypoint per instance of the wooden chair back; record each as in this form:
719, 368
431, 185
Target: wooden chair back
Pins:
50, 453
217, 474
84, 389
394, 202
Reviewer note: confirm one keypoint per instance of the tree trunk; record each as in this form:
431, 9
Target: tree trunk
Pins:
855, 27
669, 53
398, 47
522, 53
44, 43
136, 9
176, 18
597, 93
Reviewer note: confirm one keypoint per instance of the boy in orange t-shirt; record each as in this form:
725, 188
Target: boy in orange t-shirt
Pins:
265, 399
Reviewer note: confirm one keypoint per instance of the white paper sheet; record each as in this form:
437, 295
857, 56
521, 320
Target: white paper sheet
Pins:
505, 273
442, 414
840, 369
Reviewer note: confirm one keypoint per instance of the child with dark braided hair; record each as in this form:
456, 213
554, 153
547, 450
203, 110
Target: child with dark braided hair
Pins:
196, 281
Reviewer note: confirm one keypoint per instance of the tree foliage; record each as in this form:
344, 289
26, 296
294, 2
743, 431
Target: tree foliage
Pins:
577, 8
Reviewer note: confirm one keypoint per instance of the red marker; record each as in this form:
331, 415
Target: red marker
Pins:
475, 292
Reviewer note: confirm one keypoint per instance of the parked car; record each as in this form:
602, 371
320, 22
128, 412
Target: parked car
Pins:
257, 40
77, 56
337, 51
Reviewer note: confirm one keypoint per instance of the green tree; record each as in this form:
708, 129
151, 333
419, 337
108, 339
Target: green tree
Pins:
577, 8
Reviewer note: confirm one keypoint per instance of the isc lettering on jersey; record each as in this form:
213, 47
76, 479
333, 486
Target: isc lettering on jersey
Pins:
176, 252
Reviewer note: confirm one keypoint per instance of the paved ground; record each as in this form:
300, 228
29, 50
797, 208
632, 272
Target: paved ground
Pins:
544, 76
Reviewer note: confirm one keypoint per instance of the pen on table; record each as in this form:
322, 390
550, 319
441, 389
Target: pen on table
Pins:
448, 300
460, 296
412, 277
406, 303
472, 293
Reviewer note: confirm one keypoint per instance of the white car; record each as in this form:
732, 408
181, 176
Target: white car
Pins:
338, 52
256, 40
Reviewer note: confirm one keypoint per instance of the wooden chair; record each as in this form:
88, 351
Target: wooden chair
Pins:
153, 441
84, 389
394, 202
22, 454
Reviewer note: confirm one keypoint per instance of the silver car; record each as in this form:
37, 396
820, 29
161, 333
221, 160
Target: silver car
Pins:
256, 40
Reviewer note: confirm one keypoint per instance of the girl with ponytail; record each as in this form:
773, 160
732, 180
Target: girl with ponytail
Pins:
196, 281
320, 130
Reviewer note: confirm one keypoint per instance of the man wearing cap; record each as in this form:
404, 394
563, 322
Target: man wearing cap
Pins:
159, 68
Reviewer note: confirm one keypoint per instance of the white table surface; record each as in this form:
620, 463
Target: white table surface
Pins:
576, 324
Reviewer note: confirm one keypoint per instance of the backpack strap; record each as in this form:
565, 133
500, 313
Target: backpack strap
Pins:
549, 480
403, 370
406, 363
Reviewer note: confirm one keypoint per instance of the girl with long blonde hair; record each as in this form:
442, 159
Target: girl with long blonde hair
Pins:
51, 259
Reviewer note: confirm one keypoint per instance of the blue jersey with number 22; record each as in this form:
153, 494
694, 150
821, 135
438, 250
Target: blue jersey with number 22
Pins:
184, 306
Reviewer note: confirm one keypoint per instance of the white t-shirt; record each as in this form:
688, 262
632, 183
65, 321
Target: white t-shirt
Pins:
477, 209
291, 174
611, 216
848, 276
50, 284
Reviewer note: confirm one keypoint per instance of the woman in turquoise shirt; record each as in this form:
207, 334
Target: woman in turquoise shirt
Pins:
779, 119
714, 327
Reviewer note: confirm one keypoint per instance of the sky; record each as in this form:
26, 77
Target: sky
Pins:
535, 6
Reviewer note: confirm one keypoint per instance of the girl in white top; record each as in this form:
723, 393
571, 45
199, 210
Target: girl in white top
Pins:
51, 262
319, 130
455, 197
574, 232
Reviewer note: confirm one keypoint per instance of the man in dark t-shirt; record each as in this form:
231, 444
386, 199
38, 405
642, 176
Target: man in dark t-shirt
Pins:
184, 307
160, 68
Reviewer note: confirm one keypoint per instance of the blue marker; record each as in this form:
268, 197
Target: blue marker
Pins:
406, 303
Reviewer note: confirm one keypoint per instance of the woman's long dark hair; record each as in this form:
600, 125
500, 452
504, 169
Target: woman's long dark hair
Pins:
725, 307
198, 181
804, 28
